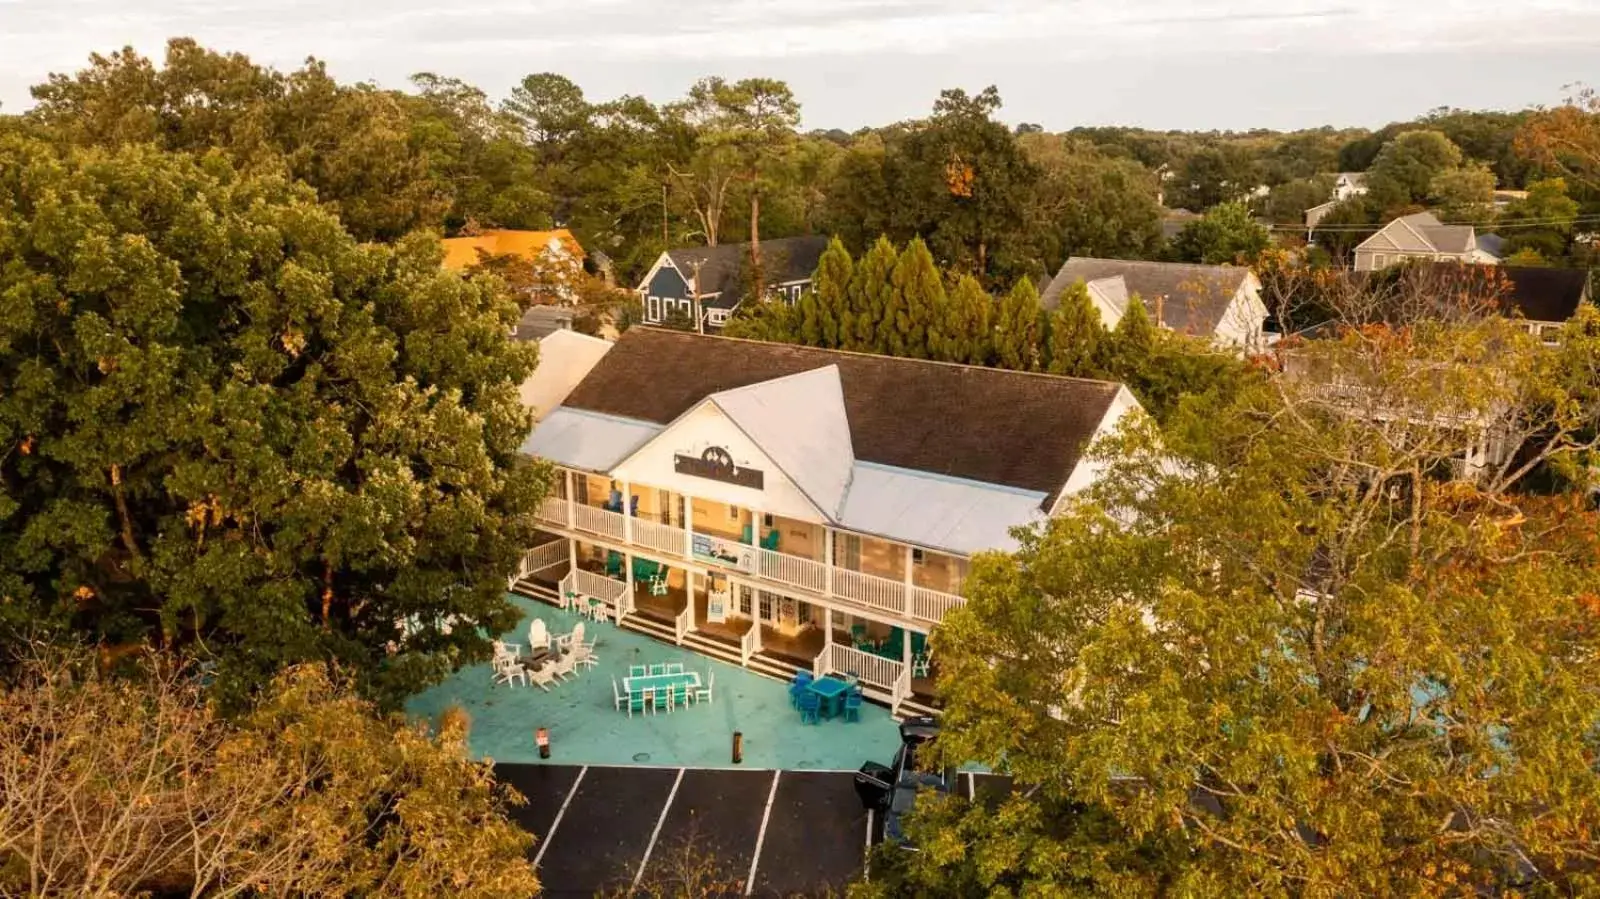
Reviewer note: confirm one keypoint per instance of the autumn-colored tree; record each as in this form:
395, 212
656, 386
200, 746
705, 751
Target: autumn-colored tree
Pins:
1306, 641
131, 785
228, 425
1566, 139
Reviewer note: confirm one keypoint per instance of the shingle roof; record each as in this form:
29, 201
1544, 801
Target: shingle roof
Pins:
999, 427
1423, 232
1196, 297
541, 320
786, 259
1546, 294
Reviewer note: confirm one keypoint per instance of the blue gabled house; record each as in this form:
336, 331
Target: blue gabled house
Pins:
705, 284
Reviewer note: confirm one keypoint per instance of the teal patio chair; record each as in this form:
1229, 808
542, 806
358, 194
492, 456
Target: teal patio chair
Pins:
745, 536
852, 706
636, 702
810, 708
771, 540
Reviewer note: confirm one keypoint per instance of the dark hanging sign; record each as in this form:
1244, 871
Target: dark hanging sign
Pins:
716, 464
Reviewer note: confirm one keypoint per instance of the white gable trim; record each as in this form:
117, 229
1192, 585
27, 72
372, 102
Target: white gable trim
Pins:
662, 261
1087, 471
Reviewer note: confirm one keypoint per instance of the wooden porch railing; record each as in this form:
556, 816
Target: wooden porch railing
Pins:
680, 626
878, 671
598, 521
553, 510
902, 689
657, 536
794, 571
870, 590
750, 643
931, 605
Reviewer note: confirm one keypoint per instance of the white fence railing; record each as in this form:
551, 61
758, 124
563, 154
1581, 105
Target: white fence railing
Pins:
902, 689
875, 670
870, 590
597, 521
598, 585
931, 605
544, 556
750, 643
553, 509
680, 625
793, 570
625, 604
657, 536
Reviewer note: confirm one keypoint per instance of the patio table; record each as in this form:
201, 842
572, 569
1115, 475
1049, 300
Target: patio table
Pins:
831, 690
642, 682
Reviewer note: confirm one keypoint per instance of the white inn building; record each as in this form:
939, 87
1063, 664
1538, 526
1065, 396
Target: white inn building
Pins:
785, 507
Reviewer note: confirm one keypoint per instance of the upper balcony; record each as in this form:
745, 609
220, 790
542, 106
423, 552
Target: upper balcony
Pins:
872, 574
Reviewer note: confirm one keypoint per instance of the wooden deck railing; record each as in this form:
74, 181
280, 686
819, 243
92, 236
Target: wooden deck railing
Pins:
870, 590
931, 605
553, 510
680, 625
660, 537
795, 571
750, 643
598, 521
875, 670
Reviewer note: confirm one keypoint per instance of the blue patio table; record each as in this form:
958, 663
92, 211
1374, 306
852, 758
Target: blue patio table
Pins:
831, 690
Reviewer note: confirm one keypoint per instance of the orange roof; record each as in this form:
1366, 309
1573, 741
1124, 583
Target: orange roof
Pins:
460, 252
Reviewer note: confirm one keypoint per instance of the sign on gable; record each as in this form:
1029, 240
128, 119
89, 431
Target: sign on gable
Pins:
716, 463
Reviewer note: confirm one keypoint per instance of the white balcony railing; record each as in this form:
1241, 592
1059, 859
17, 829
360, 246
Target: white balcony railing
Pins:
680, 625
598, 521
599, 586
541, 557
931, 605
902, 689
874, 670
793, 570
750, 643
554, 510
657, 536
870, 590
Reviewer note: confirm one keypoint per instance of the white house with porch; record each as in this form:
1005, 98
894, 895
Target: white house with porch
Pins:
786, 507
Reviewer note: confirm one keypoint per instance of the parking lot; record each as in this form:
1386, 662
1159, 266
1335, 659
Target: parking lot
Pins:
763, 833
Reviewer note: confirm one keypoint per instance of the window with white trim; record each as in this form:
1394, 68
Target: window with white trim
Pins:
653, 309
1550, 335
1379, 260
717, 316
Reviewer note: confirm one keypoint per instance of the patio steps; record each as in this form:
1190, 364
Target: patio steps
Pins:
912, 707
535, 590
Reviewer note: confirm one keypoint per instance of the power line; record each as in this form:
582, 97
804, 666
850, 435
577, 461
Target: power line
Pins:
1511, 223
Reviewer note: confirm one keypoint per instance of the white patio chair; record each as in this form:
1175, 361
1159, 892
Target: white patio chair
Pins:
538, 634
564, 667
507, 671
582, 655
618, 697
566, 641
503, 649
703, 694
542, 677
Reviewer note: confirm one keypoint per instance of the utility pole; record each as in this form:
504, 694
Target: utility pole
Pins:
699, 317
664, 245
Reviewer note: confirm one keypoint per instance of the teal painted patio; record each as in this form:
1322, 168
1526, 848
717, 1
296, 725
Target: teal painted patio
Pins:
586, 729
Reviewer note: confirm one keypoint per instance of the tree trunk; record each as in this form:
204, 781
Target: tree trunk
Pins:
755, 224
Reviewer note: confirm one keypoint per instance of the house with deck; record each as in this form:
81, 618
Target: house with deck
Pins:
784, 508
1217, 302
1422, 236
704, 285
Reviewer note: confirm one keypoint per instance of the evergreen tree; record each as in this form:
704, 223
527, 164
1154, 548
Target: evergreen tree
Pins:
1077, 335
870, 287
771, 319
919, 304
970, 339
822, 311
1133, 346
1019, 330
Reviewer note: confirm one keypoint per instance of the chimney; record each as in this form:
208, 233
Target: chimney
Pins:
1161, 303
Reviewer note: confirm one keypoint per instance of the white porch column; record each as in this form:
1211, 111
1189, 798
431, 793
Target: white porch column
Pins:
905, 647
688, 527
827, 561
827, 627
627, 568
570, 494
688, 587
909, 551
627, 516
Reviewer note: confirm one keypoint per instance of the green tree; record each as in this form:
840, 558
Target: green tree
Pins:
1464, 194
1404, 169
824, 308
1019, 329
126, 786
1091, 204
1554, 213
871, 284
1228, 234
741, 129
1077, 336
1213, 175
492, 175
1288, 202
550, 109
1270, 651
1345, 226
972, 336
227, 425
918, 303
770, 319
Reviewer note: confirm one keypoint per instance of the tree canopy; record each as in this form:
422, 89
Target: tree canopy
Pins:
229, 426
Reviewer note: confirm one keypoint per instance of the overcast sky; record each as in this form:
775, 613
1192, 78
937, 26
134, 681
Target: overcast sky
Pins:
1158, 63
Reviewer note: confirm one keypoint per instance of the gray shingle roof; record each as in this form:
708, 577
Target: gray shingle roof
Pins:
1194, 297
786, 259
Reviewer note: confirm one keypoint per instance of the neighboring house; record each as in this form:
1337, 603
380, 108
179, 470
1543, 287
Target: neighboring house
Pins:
1504, 198
1423, 236
1173, 221
790, 508
565, 358
1349, 184
1316, 214
540, 321
1220, 302
1545, 298
705, 284
556, 256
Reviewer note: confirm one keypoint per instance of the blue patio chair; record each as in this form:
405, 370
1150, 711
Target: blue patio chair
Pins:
810, 707
802, 680
636, 671
852, 706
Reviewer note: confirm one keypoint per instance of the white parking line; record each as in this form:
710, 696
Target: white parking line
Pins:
545, 843
761, 836
656, 834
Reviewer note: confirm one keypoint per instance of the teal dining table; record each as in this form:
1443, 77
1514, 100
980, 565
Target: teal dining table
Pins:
641, 682
831, 691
